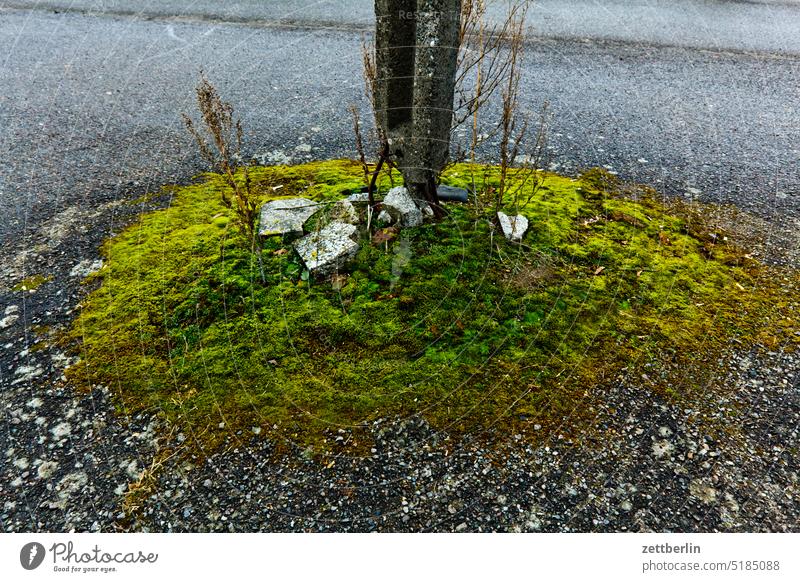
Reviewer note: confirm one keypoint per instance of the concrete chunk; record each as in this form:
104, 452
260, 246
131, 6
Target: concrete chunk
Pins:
328, 250
358, 198
399, 204
344, 211
285, 216
514, 227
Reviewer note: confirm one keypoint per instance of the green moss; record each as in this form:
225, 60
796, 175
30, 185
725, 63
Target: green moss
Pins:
452, 322
31, 283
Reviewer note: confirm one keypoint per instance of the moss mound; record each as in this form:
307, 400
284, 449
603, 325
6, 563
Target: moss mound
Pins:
449, 321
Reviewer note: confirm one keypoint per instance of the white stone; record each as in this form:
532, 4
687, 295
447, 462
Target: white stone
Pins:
662, 449
8, 320
26, 373
69, 486
326, 251
285, 216
34, 402
47, 469
132, 469
514, 228
86, 268
385, 217
344, 211
702, 490
275, 157
61, 430
358, 198
399, 204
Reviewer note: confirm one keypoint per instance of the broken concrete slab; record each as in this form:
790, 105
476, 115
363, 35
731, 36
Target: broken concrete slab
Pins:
358, 198
328, 250
285, 216
344, 211
452, 194
399, 204
514, 227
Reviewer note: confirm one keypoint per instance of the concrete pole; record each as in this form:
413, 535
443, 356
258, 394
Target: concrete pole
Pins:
416, 44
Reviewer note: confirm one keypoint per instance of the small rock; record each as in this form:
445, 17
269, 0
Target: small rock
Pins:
704, 492
47, 469
25, 373
61, 430
425, 208
86, 268
358, 198
514, 228
285, 216
326, 251
399, 204
385, 217
344, 211
662, 449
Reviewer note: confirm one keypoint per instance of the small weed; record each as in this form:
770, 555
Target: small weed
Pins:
221, 147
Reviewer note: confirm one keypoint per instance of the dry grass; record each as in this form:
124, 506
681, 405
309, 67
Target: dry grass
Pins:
220, 145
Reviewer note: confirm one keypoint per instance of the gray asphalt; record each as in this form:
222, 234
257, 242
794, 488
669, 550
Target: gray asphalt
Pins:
91, 93
759, 25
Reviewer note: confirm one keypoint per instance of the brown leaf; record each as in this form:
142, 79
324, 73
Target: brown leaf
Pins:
385, 235
338, 282
599, 270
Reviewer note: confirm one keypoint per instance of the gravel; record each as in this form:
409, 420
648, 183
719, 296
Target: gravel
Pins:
645, 465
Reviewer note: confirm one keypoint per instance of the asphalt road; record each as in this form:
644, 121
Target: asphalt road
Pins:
762, 25
91, 92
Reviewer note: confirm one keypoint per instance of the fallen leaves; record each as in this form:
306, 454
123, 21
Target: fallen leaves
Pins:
385, 235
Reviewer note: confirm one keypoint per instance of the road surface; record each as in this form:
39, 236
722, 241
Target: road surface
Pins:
92, 91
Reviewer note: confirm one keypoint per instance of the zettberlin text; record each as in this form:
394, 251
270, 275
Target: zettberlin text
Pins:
671, 549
